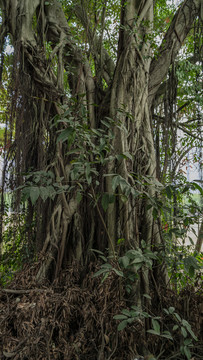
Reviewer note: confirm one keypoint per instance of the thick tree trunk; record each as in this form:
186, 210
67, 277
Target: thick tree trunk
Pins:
69, 229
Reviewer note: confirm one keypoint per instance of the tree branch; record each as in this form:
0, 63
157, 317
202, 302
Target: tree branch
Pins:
172, 42
95, 43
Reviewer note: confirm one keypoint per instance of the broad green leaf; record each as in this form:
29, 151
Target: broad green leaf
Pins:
177, 316
67, 135
105, 276
124, 261
119, 273
187, 352
120, 241
167, 335
78, 197
128, 155
106, 266
25, 193
103, 258
44, 193
187, 342
183, 332
87, 173
137, 260
169, 192
156, 326
120, 317
154, 332
51, 191
106, 200
99, 272
116, 182
126, 312
34, 194
138, 266
198, 187
188, 327
147, 296
122, 325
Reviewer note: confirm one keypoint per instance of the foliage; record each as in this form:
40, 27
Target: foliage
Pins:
16, 249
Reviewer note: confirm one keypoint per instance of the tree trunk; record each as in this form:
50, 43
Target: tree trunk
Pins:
67, 229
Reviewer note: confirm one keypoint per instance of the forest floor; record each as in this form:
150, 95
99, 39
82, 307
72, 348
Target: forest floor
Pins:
72, 319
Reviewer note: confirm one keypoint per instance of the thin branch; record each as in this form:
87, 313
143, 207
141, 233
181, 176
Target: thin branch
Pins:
20, 291
189, 133
95, 42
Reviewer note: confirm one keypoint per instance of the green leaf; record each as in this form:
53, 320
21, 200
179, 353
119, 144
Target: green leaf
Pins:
183, 332
191, 271
198, 187
171, 310
105, 276
103, 258
106, 200
120, 317
187, 352
124, 261
156, 326
187, 342
167, 335
147, 296
188, 327
169, 192
115, 182
67, 135
154, 332
101, 271
120, 241
128, 155
25, 193
78, 197
137, 260
87, 173
34, 194
119, 273
106, 266
122, 325
191, 263
51, 192
126, 312
138, 266
44, 193
177, 316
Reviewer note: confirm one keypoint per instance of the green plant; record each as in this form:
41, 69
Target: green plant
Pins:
185, 333
128, 317
181, 333
15, 249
